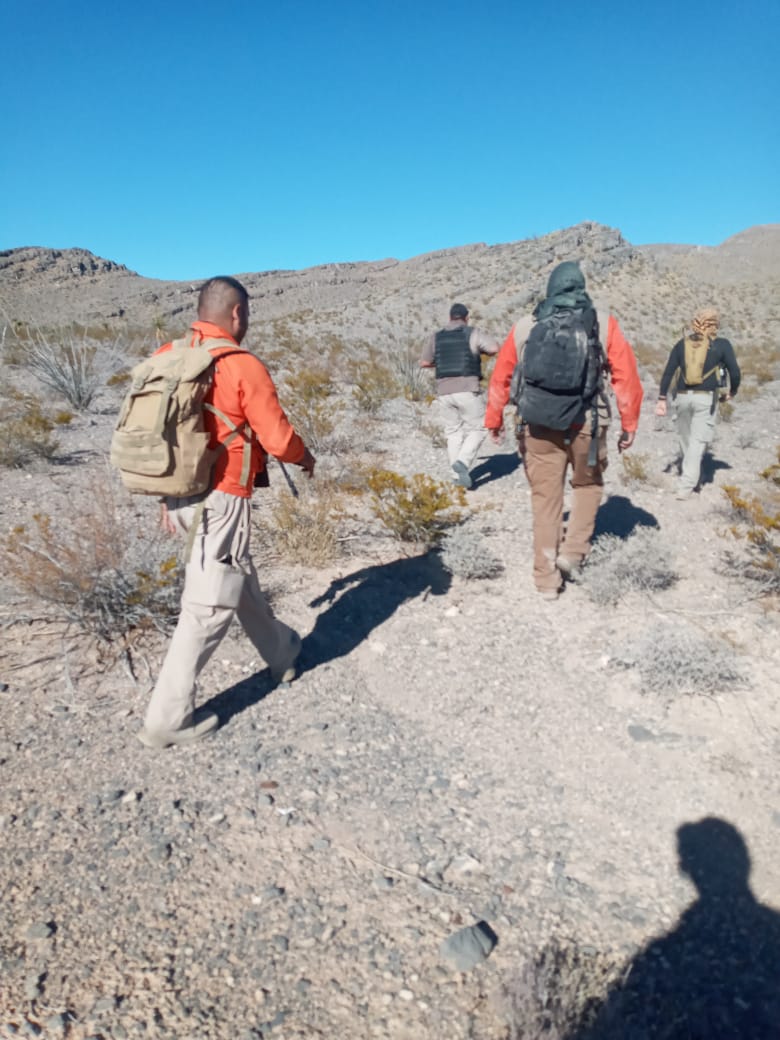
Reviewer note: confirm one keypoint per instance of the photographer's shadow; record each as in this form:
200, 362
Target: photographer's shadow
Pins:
717, 975
620, 517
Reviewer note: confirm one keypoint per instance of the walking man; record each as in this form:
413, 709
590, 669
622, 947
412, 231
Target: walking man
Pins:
566, 348
454, 352
220, 578
699, 358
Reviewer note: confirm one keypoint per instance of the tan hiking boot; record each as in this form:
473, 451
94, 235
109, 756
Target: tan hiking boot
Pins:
284, 676
201, 724
568, 568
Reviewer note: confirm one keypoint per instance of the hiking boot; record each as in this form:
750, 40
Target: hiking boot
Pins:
201, 724
550, 594
568, 568
684, 494
462, 475
284, 676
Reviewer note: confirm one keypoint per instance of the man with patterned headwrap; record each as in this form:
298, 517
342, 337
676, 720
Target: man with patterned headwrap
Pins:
699, 358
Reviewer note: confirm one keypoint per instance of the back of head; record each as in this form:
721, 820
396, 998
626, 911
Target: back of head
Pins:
458, 312
565, 278
217, 298
706, 322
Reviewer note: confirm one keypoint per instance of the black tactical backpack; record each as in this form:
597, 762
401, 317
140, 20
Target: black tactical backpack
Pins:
560, 374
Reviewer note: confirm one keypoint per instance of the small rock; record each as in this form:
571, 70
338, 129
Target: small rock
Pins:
640, 734
4, 687
469, 946
56, 1025
42, 930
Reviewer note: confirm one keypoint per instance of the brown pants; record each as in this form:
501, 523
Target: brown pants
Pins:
547, 456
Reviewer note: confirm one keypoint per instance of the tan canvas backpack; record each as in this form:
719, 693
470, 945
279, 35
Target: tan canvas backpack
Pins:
160, 445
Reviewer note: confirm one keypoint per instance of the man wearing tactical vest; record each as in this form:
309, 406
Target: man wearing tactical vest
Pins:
565, 350
454, 352
700, 360
220, 580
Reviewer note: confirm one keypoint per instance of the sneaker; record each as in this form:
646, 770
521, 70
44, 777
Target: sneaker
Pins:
684, 495
201, 724
462, 475
284, 676
568, 568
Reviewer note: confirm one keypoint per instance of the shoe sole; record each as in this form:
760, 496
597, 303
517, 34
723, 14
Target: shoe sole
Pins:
291, 671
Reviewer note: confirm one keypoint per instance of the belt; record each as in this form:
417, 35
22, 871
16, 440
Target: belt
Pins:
697, 391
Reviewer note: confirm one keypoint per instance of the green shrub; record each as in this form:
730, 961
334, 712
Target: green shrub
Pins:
416, 509
304, 529
374, 383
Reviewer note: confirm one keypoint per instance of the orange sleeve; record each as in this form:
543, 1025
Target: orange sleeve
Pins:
260, 404
498, 389
626, 383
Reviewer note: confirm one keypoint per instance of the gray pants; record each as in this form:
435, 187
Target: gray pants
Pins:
464, 415
220, 582
696, 430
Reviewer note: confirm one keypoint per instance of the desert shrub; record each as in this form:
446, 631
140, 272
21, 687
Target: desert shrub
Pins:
416, 384
69, 367
641, 563
303, 529
414, 509
635, 467
25, 431
558, 991
119, 378
465, 553
374, 383
434, 432
312, 409
675, 658
93, 568
755, 525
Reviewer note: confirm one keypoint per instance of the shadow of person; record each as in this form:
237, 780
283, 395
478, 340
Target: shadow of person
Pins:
717, 975
709, 467
494, 467
360, 601
619, 516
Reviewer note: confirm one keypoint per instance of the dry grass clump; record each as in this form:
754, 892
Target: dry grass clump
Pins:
304, 529
311, 406
641, 563
90, 565
465, 553
675, 658
26, 431
416, 383
373, 384
755, 525
414, 509
559, 991
635, 467
69, 364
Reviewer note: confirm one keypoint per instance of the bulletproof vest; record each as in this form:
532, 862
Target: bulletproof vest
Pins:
453, 355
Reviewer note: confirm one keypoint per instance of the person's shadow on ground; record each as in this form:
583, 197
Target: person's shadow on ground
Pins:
619, 516
494, 467
709, 467
361, 601
358, 603
717, 975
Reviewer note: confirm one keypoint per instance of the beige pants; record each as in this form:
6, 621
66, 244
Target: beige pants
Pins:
696, 430
547, 456
220, 582
464, 418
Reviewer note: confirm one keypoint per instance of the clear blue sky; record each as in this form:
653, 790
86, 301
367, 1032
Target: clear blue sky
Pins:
186, 139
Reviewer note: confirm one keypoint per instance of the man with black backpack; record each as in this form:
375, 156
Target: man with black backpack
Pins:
243, 419
554, 365
454, 352
700, 360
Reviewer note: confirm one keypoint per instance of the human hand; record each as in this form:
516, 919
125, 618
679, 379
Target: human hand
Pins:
497, 436
660, 408
166, 524
625, 440
307, 463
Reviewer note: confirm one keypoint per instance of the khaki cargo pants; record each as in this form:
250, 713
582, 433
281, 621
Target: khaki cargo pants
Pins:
220, 582
696, 430
547, 457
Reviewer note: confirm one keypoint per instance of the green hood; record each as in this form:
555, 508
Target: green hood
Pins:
565, 288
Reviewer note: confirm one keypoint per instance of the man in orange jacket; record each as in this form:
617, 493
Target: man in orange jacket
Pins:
220, 578
549, 451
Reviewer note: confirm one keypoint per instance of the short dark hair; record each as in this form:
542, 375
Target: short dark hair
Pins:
219, 292
459, 310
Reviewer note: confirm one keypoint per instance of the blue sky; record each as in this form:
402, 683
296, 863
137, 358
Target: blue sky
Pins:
189, 139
